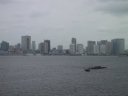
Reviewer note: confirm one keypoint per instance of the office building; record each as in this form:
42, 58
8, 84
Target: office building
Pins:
60, 49
41, 48
80, 49
33, 45
96, 49
47, 47
109, 48
103, 49
90, 47
4, 46
26, 43
72, 49
118, 46
74, 41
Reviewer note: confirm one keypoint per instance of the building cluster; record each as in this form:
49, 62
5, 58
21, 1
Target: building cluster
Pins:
103, 47
76, 49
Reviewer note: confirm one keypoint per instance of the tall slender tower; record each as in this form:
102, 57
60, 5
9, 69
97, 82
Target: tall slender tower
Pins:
33, 45
74, 43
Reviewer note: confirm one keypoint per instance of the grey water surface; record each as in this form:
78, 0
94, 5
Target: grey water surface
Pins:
63, 76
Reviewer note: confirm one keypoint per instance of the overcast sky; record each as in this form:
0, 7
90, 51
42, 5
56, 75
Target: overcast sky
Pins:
60, 20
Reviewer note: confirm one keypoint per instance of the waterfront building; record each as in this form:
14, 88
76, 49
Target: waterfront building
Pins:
54, 51
80, 49
103, 49
41, 48
60, 49
96, 49
90, 47
74, 41
33, 45
118, 46
72, 49
47, 47
4, 46
109, 48
26, 43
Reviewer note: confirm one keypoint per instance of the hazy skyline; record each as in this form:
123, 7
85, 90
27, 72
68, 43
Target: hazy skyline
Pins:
60, 20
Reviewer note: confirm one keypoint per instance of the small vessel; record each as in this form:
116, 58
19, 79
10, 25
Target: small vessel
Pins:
94, 68
87, 70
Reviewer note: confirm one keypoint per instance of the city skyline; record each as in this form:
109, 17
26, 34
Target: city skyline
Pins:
73, 41
67, 44
103, 47
60, 20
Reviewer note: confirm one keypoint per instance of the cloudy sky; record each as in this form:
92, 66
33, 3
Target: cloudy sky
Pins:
60, 20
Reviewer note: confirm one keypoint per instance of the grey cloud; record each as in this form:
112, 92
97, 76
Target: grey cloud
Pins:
38, 14
60, 19
116, 7
5, 1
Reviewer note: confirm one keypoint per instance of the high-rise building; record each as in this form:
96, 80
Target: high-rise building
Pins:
90, 47
96, 49
60, 49
47, 46
103, 49
72, 49
74, 41
109, 48
33, 45
26, 43
80, 49
4, 46
118, 46
41, 48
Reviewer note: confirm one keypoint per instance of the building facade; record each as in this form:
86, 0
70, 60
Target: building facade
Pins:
4, 46
41, 48
72, 49
74, 42
118, 46
60, 49
47, 47
80, 49
90, 47
26, 43
33, 45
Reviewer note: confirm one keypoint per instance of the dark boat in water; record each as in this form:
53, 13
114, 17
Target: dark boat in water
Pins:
94, 68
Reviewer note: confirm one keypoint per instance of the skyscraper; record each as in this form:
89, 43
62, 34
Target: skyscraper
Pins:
41, 48
33, 45
74, 41
26, 43
96, 49
109, 48
80, 49
118, 46
60, 48
4, 46
90, 47
72, 49
47, 46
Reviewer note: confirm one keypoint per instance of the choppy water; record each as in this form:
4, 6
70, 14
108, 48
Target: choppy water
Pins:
63, 76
